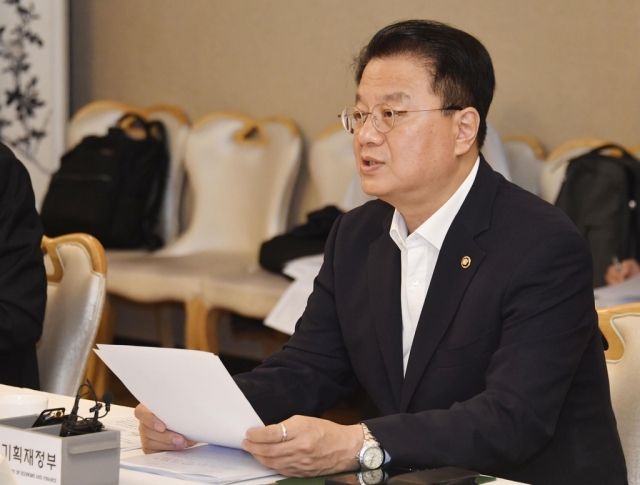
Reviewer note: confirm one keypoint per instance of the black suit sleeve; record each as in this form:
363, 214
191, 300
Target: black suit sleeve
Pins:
23, 284
548, 322
313, 371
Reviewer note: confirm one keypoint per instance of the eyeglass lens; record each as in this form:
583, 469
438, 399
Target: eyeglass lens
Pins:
382, 118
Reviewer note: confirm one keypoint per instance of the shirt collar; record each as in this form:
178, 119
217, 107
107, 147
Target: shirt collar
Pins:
436, 227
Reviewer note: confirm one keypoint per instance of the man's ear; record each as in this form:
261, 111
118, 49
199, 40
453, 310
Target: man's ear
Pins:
467, 123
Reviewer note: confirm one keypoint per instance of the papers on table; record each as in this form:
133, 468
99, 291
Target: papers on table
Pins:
129, 434
210, 464
190, 391
626, 292
290, 307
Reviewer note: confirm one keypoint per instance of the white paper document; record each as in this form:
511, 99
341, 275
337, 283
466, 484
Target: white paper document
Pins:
210, 464
190, 391
626, 292
291, 305
129, 434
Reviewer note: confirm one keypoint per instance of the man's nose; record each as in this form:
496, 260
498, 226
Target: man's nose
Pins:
369, 133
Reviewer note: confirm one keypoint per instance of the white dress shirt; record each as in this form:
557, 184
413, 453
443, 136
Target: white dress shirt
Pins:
419, 254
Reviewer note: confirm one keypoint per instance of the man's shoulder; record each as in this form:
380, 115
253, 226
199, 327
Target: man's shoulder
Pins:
522, 208
521, 221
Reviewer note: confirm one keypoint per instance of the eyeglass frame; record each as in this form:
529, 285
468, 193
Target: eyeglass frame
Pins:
395, 112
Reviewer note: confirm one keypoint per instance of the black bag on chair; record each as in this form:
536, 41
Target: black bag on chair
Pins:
111, 186
600, 194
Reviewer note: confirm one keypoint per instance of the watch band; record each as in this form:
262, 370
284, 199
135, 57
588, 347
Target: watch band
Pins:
367, 433
371, 455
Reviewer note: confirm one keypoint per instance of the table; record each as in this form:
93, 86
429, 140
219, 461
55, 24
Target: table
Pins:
131, 477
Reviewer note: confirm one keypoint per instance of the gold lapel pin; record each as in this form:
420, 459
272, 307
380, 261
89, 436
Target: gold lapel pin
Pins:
465, 262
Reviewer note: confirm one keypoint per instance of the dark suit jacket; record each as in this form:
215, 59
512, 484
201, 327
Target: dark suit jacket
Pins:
506, 374
23, 284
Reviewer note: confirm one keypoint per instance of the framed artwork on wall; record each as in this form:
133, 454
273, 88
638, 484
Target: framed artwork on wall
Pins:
34, 80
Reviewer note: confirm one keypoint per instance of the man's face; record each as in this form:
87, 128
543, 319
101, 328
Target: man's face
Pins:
416, 159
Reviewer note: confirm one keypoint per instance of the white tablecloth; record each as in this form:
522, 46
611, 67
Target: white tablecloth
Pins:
130, 477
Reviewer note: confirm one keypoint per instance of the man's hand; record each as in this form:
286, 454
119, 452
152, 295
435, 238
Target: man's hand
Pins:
628, 268
313, 446
154, 434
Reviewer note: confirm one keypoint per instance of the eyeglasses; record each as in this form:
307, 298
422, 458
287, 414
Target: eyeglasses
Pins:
353, 119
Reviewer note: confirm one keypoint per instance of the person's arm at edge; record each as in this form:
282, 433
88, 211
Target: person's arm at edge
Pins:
23, 281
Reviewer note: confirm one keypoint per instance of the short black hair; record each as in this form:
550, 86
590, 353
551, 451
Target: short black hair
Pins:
460, 65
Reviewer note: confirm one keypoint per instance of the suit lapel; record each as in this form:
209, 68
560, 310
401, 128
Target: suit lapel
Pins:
383, 271
450, 279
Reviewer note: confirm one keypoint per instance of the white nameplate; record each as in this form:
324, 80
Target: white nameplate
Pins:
33, 457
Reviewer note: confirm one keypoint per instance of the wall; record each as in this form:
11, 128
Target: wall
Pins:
565, 69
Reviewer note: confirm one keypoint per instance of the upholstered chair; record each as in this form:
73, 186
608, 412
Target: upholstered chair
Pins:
76, 275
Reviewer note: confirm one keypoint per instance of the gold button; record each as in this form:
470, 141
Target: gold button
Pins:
465, 262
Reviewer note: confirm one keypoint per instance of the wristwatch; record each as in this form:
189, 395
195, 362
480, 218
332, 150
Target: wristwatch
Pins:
371, 477
371, 455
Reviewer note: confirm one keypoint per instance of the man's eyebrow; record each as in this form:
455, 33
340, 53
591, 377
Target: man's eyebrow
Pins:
397, 96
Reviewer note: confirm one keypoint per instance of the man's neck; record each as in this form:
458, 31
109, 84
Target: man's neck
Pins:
416, 212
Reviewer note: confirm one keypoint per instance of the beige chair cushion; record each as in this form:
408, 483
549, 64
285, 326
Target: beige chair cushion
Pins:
231, 281
74, 308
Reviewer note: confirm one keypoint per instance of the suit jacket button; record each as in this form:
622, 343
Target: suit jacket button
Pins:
465, 262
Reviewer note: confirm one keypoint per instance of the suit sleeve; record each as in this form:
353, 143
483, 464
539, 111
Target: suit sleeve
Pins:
23, 285
313, 371
548, 322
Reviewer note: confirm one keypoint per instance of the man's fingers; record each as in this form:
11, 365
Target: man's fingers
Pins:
614, 275
269, 450
269, 434
149, 419
154, 434
168, 437
629, 267
154, 446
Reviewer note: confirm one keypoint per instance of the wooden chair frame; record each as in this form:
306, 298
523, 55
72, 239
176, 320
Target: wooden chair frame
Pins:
616, 344
539, 150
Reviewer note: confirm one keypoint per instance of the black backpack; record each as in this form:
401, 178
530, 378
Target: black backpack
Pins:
600, 194
111, 186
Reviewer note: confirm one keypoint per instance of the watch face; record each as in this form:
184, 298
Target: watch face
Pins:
372, 457
372, 477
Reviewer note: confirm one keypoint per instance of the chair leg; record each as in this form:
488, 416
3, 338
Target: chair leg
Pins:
97, 371
201, 326
164, 324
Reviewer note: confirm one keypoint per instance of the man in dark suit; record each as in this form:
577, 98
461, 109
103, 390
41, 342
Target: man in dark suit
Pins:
23, 283
461, 303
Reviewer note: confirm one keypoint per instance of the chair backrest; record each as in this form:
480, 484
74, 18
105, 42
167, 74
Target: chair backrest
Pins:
621, 327
553, 171
75, 298
494, 153
241, 172
526, 157
333, 177
96, 118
